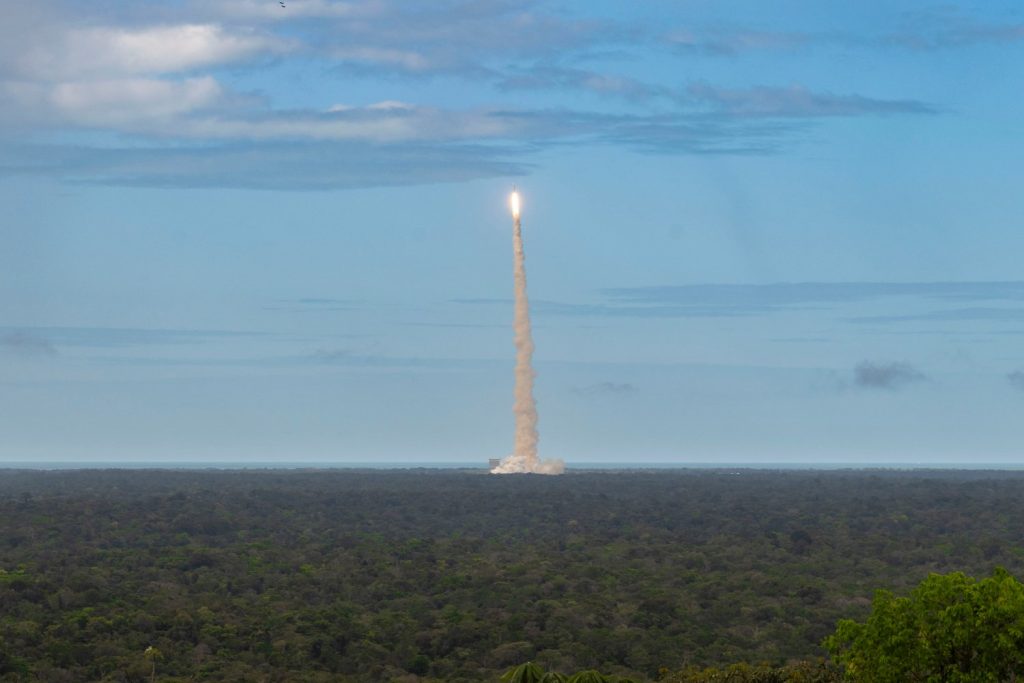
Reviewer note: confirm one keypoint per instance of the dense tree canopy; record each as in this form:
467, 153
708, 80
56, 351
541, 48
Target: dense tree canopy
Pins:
458, 575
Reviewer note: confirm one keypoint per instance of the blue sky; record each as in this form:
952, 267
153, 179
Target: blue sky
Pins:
755, 232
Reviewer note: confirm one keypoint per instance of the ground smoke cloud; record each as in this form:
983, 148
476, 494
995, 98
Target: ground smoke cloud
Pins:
524, 456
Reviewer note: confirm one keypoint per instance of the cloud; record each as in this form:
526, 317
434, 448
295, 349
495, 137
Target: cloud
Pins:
302, 308
1016, 379
721, 42
445, 37
940, 28
66, 73
452, 36
614, 309
26, 344
463, 326
605, 389
42, 339
127, 104
362, 350
66, 41
951, 315
657, 133
716, 299
337, 358
147, 107
261, 10
670, 134
265, 165
314, 305
699, 99
871, 375
721, 300
554, 77
373, 145
405, 60
332, 355
105, 52
379, 122
798, 102
708, 121
200, 109
125, 79
947, 28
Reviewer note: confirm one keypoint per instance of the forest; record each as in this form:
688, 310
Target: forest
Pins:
458, 575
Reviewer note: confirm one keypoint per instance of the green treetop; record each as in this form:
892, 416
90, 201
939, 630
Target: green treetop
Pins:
951, 629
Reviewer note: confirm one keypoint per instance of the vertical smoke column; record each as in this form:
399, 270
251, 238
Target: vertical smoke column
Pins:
524, 458
525, 406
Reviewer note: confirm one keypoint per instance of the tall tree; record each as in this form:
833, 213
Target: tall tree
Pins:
951, 629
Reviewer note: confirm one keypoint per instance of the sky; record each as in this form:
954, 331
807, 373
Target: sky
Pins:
755, 232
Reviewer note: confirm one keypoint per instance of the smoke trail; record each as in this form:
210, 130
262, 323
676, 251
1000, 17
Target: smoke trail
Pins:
525, 407
524, 454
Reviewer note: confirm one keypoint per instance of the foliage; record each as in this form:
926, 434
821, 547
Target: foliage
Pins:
458, 575
800, 672
951, 629
554, 677
524, 673
590, 676
532, 673
152, 654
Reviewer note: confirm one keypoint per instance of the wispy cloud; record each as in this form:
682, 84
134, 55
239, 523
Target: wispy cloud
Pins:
391, 37
156, 78
702, 98
463, 38
940, 28
26, 344
747, 299
950, 315
723, 42
265, 165
200, 108
333, 355
606, 389
314, 305
361, 147
45, 338
893, 375
723, 300
1016, 379
556, 77
258, 10
326, 357
949, 28
798, 102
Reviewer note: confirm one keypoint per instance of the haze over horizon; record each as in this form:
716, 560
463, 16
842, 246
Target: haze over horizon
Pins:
234, 231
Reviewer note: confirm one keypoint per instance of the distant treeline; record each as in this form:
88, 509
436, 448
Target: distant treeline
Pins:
457, 576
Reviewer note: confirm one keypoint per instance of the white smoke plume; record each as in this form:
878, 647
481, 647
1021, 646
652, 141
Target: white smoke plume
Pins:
524, 455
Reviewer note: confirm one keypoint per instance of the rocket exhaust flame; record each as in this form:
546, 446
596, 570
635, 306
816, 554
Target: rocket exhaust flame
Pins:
524, 455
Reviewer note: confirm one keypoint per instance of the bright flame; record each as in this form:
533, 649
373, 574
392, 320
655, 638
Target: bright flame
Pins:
513, 201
